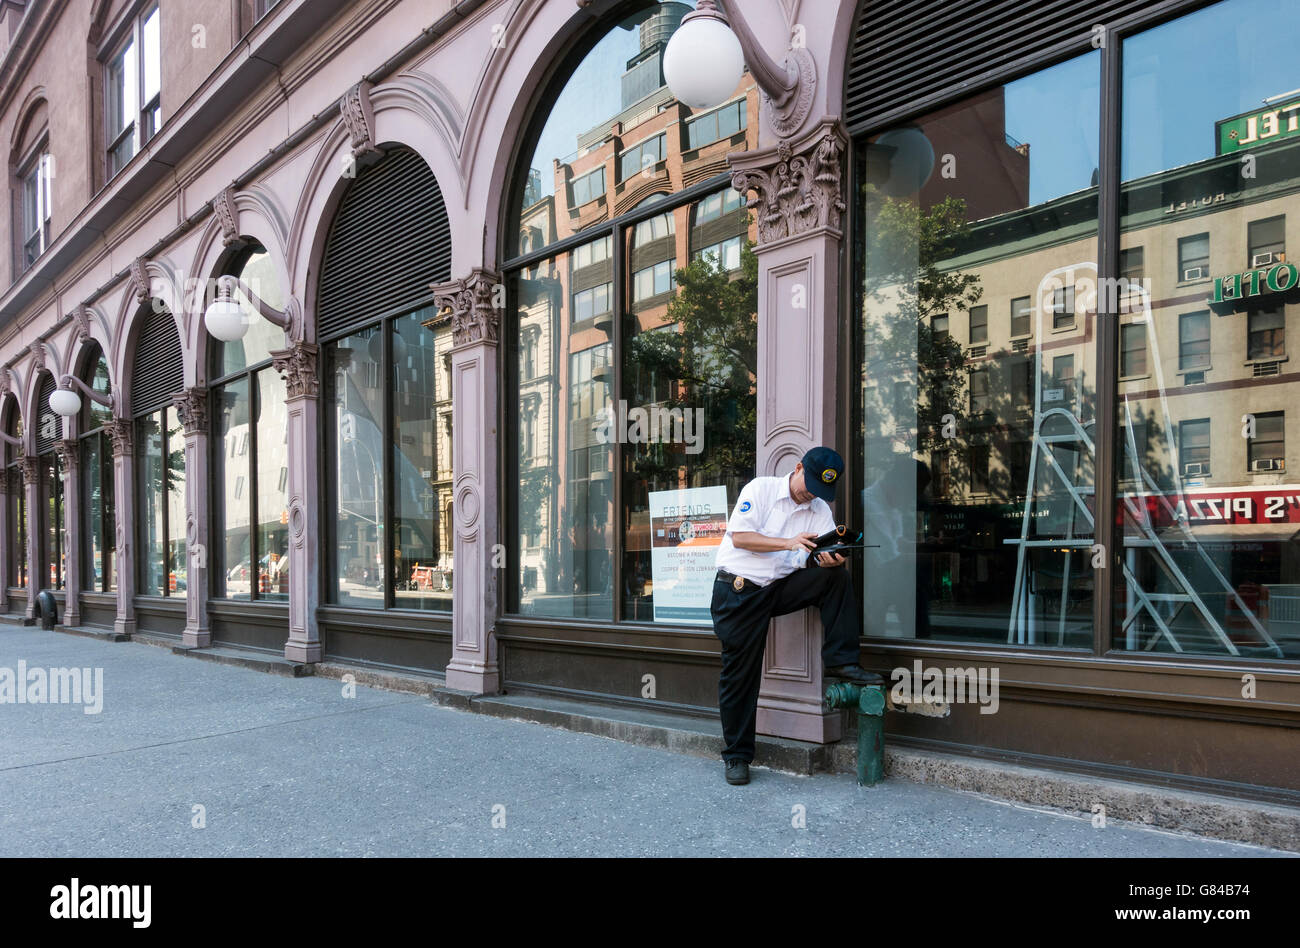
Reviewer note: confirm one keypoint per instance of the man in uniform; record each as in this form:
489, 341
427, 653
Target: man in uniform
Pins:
761, 574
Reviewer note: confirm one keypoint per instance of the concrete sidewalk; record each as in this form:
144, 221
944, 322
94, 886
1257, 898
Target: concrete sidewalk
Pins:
291, 767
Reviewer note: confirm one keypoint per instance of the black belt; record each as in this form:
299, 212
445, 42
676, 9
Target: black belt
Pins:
737, 582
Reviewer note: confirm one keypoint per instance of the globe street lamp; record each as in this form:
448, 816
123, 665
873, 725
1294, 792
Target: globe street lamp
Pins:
65, 401
707, 55
226, 320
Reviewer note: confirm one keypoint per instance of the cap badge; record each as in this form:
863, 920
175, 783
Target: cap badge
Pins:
828, 476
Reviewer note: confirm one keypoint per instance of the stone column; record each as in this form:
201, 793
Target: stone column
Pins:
121, 431
70, 454
192, 408
31, 483
475, 325
299, 364
798, 205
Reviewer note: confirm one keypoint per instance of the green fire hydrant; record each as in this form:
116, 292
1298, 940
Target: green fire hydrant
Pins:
870, 702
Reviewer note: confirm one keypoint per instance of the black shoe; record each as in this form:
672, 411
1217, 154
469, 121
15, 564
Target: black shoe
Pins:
854, 673
737, 772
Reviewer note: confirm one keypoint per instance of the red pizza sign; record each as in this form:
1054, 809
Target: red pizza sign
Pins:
1275, 505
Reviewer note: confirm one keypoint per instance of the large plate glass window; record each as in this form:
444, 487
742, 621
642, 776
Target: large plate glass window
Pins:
387, 398
157, 376
98, 501
975, 318
250, 460
16, 537
1209, 496
631, 346
49, 491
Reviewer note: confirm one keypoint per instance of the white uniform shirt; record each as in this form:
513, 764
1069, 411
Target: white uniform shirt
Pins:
765, 506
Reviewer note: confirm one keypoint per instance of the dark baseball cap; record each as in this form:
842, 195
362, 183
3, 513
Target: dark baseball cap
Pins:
822, 468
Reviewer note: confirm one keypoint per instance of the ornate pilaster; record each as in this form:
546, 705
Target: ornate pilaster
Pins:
121, 432
798, 202
798, 186
70, 455
6, 554
30, 469
474, 303
300, 366
192, 407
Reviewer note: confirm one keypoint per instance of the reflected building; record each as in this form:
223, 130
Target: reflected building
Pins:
980, 403
566, 342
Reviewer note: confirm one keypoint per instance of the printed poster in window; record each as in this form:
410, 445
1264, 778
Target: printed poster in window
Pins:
686, 528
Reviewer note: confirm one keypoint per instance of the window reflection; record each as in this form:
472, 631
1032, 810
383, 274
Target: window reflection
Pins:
1211, 559
606, 162
976, 429
249, 454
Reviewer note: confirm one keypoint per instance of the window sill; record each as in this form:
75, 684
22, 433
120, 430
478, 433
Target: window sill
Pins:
1266, 361
1070, 328
1135, 378
1190, 371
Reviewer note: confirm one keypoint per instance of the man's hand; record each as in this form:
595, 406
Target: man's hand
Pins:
804, 542
829, 559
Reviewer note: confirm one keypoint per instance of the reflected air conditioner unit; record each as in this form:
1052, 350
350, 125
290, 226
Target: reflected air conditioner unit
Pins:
1265, 259
1194, 273
1266, 464
1195, 469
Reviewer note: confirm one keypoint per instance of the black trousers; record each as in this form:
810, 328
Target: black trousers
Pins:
740, 621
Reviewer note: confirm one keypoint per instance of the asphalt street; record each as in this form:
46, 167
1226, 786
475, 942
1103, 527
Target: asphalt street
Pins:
190, 758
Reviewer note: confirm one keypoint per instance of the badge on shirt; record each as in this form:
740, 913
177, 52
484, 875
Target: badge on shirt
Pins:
738, 584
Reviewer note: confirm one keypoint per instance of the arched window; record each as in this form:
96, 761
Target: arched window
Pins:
98, 501
631, 327
17, 526
388, 471
51, 567
158, 373
250, 458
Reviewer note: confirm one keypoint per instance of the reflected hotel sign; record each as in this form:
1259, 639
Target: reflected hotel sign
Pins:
1279, 278
1258, 128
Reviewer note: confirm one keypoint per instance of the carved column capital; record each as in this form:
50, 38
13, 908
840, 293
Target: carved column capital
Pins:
68, 454
473, 301
30, 469
121, 431
37, 352
359, 117
301, 369
192, 407
798, 186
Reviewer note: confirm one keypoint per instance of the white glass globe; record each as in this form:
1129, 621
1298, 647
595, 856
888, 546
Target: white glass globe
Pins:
226, 320
65, 402
703, 63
